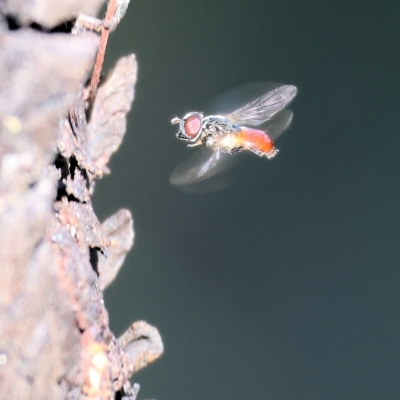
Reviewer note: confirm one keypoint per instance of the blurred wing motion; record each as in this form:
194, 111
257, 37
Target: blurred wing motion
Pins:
203, 164
263, 108
275, 126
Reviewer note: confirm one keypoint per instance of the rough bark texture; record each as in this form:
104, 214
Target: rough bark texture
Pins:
55, 255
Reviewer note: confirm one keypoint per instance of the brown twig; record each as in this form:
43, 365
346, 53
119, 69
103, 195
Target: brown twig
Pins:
105, 32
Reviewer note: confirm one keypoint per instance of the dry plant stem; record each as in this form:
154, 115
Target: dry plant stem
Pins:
105, 32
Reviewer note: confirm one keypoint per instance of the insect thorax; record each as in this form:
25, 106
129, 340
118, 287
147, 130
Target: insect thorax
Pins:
217, 125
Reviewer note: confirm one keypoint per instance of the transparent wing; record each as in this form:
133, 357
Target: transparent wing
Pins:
263, 108
203, 164
229, 101
278, 123
204, 172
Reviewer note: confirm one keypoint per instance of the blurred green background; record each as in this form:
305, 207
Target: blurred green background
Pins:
285, 285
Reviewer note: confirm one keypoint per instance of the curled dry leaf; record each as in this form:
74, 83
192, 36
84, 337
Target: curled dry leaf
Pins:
92, 143
107, 124
142, 344
119, 230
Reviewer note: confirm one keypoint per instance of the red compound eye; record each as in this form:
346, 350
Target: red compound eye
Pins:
193, 125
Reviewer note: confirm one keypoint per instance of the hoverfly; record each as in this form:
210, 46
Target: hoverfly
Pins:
251, 127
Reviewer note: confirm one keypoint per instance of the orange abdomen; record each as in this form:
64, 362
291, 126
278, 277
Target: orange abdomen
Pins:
256, 141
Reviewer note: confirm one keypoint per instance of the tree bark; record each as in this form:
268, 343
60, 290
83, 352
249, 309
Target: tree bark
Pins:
55, 255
